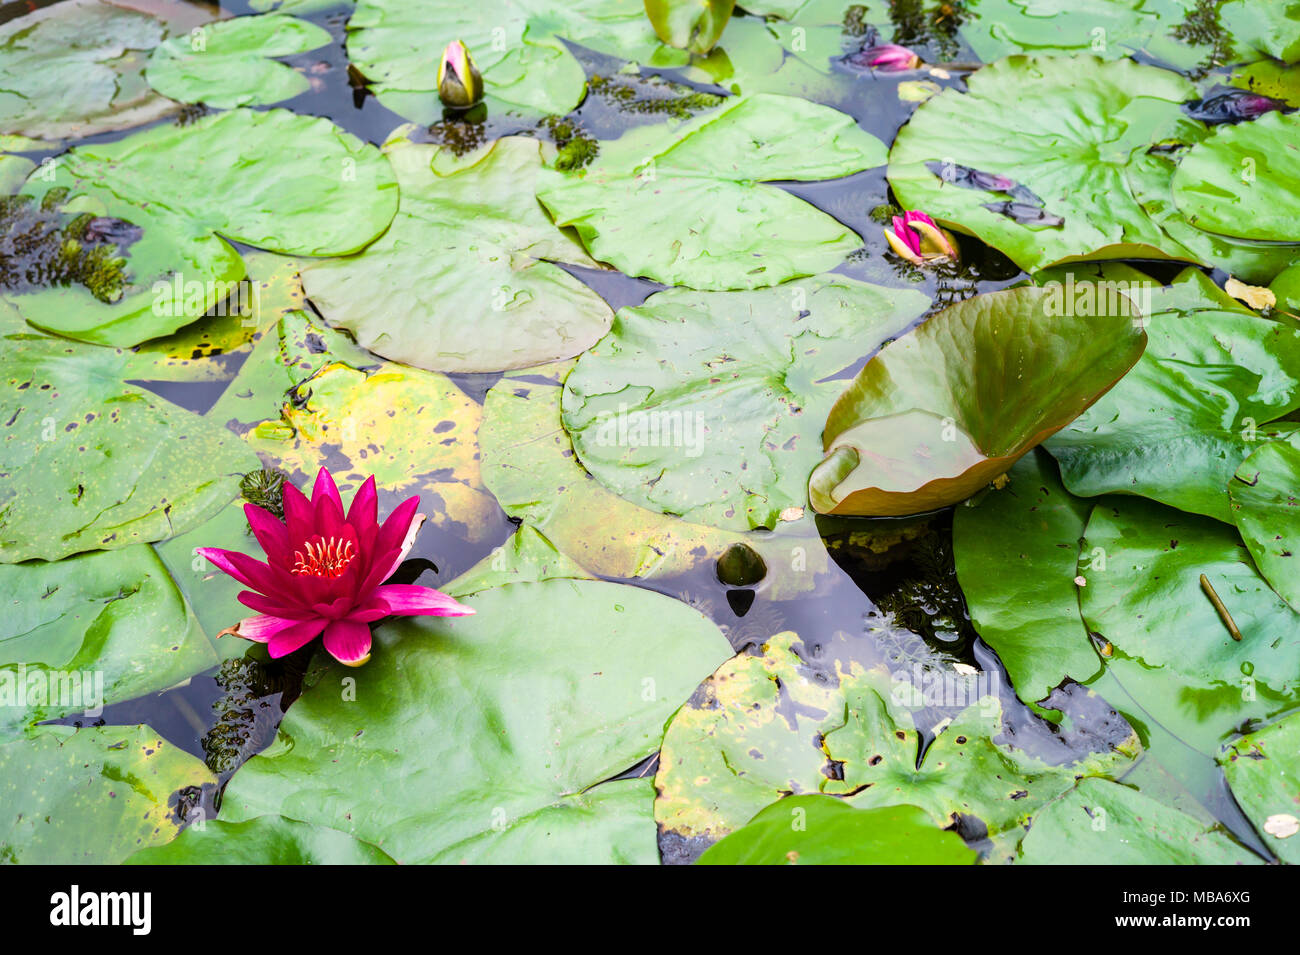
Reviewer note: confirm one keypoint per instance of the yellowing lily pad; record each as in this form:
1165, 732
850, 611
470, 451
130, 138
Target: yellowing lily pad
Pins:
93, 796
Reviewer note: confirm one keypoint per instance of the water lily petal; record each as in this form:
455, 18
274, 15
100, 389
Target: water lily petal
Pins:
410, 600
291, 638
262, 627
334, 609
266, 605
247, 570
363, 514
348, 642
270, 533
299, 516
397, 528
380, 570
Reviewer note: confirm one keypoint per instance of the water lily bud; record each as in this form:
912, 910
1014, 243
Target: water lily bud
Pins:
888, 57
460, 84
916, 238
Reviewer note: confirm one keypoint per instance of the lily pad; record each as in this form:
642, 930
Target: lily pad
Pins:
690, 203
563, 684
1150, 174
1272, 29
530, 467
230, 63
1261, 769
97, 464
212, 348
266, 840
90, 630
413, 430
1017, 555
76, 68
528, 557
293, 184
1213, 376
823, 830
1105, 823
1070, 150
939, 413
1171, 651
1265, 496
771, 724
1242, 180
516, 44
709, 405
93, 796
465, 279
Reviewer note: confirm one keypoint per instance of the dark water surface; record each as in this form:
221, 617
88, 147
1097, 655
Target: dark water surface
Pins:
227, 714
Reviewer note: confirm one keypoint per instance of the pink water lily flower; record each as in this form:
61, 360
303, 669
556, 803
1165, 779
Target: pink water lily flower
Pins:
916, 238
325, 571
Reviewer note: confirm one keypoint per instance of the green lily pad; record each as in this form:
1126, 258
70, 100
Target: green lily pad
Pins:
1265, 496
823, 830
1242, 180
93, 796
14, 171
709, 405
770, 724
1150, 174
558, 685
1017, 554
1171, 652
693, 25
516, 44
1110, 29
266, 840
1213, 376
528, 557
90, 630
1105, 823
97, 464
657, 202
465, 280
230, 63
76, 68
1261, 769
1071, 150
939, 413
1272, 29
291, 184
530, 467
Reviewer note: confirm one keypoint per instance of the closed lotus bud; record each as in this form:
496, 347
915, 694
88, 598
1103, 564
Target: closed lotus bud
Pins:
887, 57
916, 238
460, 84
